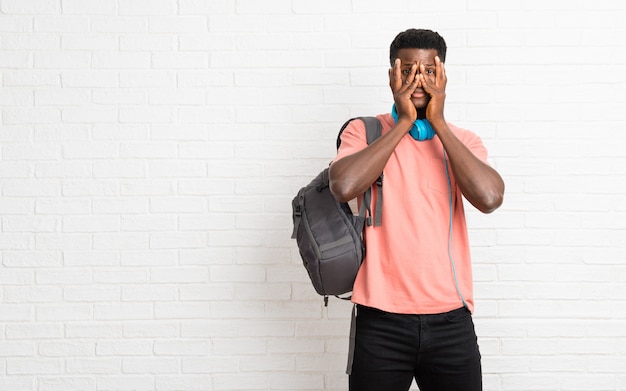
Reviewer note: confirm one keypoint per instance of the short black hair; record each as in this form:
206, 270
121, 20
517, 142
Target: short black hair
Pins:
418, 39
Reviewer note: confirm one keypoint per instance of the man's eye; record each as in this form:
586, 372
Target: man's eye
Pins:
430, 71
406, 71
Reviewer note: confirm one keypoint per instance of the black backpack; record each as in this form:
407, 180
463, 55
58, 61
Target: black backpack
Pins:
328, 234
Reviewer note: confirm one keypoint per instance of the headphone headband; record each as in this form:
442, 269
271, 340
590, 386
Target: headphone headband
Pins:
421, 129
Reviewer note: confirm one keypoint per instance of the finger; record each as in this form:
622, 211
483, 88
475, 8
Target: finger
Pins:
411, 86
395, 77
411, 77
426, 85
441, 71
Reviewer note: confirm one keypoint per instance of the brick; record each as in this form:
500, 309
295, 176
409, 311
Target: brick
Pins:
180, 60
67, 383
34, 367
147, 151
210, 365
97, 7
181, 275
91, 258
123, 60
15, 60
151, 329
182, 348
36, 7
147, 7
123, 311
121, 277
91, 294
233, 382
207, 8
58, 133
66, 348
202, 222
16, 349
123, 348
31, 295
177, 241
94, 330
184, 168
276, 363
61, 24
147, 78
119, 169
179, 133
28, 259
93, 366
182, 205
207, 328
216, 292
37, 115
17, 277
177, 24
143, 42
119, 241
266, 292
188, 382
29, 224
149, 258
145, 114
15, 312
127, 382
148, 293
13, 23
65, 312
153, 366
91, 79
147, 223
63, 170
65, 242
33, 41
62, 206
119, 24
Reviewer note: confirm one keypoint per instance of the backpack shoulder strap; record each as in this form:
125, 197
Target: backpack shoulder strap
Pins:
373, 130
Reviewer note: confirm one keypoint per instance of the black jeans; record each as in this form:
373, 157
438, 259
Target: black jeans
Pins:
440, 351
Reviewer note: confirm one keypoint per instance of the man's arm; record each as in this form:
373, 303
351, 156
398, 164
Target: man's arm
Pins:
353, 174
480, 184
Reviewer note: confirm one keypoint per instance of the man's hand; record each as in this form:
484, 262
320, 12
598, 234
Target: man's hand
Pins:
436, 88
402, 89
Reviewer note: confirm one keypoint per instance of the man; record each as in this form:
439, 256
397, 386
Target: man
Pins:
414, 289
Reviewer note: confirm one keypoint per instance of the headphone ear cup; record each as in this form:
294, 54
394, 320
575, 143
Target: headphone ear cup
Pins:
422, 130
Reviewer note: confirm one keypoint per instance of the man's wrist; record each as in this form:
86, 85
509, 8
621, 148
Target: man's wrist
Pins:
439, 125
405, 123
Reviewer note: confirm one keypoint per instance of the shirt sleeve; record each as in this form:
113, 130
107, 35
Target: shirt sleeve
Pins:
473, 143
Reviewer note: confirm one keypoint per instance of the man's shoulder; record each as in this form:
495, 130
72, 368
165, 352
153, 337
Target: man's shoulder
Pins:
462, 133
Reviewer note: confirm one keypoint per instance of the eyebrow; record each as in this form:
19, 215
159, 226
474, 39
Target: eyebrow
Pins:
408, 65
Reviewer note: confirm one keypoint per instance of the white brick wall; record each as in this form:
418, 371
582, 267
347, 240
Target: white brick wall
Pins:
149, 151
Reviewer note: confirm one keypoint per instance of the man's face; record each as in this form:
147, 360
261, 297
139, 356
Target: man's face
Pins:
408, 57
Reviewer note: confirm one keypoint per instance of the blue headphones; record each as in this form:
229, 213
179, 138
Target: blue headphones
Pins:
421, 129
